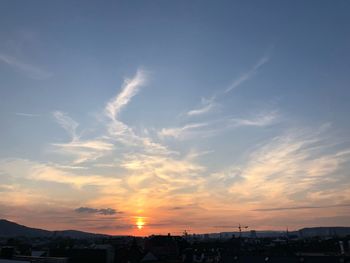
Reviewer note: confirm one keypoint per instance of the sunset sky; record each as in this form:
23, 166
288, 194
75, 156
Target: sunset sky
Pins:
141, 117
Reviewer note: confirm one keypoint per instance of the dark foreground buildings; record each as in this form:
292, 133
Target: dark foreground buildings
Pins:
172, 249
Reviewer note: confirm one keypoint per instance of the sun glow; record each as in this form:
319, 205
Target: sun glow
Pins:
140, 222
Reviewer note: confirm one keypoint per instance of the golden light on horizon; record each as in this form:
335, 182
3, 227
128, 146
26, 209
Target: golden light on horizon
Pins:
140, 222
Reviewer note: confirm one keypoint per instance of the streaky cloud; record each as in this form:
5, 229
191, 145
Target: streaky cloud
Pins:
90, 144
67, 123
299, 207
83, 150
129, 89
117, 131
249, 74
181, 132
30, 115
37, 171
28, 69
88, 150
261, 120
120, 131
294, 164
214, 127
207, 106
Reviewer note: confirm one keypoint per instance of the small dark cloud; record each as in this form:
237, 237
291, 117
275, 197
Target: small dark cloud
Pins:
177, 208
188, 206
298, 207
101, 211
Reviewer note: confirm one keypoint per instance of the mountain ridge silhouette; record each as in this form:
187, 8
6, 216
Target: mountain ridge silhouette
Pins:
13, 229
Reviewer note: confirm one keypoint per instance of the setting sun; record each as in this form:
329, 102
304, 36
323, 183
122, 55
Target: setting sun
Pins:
140, 222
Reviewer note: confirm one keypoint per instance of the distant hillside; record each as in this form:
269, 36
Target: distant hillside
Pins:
8, 228
12, 229
324, 231
304, 232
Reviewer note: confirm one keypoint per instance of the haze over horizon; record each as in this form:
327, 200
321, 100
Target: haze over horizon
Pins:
147, 117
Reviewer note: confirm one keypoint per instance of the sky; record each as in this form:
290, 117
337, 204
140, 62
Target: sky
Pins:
154, 117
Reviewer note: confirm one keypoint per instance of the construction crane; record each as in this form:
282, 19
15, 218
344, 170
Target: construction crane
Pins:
185, 232
240, 229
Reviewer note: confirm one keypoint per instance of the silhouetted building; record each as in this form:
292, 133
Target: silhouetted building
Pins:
7, 252
83, 255
162, 247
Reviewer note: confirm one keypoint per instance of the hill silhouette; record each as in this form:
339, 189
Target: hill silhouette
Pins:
12, 229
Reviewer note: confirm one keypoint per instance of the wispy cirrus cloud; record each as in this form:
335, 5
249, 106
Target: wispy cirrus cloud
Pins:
207, 106
139, 174
37, 171
29, 70
120, 131
261, 120
85, 150
24, 114
249, 74
129, 89
289, 166
67, 123
214, 127
81, 150
156, 177
181, 132
299, 207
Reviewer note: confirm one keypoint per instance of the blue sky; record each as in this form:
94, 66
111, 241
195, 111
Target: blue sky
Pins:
211, 110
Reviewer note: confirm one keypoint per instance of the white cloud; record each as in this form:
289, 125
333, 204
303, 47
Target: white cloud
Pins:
67, 123
249, 74
81, 150
207, 106
194, 154
23, 114
288, 166
263, 119
146, 174
181, 132
28, 69
129, 89
120, 131
211, 128
88, 150
154, 177
21, 168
